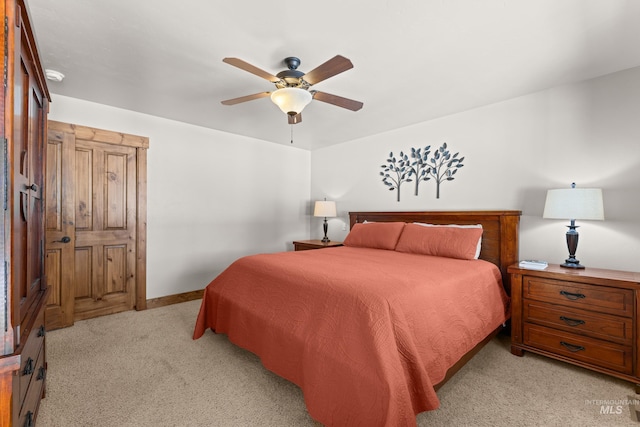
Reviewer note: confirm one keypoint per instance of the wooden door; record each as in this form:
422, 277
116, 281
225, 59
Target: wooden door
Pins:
60, 228
102, 268
105, 249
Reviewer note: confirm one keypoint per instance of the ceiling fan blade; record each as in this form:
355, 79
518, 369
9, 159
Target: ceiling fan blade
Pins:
243, 65
246, 98
295, 119
335, 65
349, 104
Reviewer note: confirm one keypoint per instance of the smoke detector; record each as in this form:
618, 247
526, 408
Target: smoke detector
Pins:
53, 75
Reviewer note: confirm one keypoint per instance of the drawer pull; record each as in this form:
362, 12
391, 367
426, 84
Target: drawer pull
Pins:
571, 347
42, 331
571, 322
28, 419
28, 367
42, 374
572, 296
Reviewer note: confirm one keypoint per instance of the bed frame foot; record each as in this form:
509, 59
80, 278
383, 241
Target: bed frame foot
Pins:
637, 388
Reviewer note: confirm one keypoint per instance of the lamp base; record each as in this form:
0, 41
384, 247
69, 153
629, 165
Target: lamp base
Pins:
572, 263
325, 227
572, 245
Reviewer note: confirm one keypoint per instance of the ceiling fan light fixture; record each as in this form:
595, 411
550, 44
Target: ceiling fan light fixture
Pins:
291, 100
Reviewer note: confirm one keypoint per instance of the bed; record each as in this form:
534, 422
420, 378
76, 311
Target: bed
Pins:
371, 330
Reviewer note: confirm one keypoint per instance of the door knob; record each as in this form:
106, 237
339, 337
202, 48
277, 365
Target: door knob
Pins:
65, 239
33, 187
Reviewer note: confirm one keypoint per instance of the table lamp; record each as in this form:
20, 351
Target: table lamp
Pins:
326, 209
574, 203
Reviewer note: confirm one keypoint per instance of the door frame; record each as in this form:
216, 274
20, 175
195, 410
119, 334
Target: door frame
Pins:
141, 144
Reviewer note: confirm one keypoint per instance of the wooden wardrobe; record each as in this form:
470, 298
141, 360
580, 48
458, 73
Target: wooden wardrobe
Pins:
23, 289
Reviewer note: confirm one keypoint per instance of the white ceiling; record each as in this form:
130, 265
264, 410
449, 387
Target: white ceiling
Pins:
414, 60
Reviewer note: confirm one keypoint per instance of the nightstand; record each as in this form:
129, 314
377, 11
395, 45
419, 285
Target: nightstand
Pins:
305, 245
585, 317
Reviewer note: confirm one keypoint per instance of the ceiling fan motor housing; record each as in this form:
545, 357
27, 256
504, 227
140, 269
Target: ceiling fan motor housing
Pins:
291, 77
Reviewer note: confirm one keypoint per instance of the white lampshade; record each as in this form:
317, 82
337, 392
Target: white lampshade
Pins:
574, 203
325, 208
291, 100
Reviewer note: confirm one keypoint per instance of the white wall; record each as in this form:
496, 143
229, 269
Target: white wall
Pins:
212, 196
588, 133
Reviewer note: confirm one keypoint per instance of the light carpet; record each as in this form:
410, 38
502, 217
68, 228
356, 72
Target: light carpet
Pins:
143, 369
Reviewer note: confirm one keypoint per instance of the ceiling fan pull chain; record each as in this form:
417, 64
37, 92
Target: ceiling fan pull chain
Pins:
291, 133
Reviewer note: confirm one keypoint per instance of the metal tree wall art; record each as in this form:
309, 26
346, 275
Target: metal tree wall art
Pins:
444, 166
395, 172
420, 166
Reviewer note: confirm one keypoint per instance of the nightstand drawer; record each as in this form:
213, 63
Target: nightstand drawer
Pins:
602, 326
305, 247
598, 298
588, 350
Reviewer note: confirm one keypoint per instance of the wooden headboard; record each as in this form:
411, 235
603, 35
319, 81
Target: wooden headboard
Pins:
499, 237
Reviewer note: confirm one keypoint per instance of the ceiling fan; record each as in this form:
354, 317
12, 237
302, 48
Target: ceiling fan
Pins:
292, 92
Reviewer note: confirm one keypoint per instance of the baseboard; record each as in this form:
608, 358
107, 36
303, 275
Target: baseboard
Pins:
175, 299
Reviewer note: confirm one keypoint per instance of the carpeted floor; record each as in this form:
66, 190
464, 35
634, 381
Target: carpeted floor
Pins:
143, 369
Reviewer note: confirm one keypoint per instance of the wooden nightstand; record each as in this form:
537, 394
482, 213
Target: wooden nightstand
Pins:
305, 245
586, 317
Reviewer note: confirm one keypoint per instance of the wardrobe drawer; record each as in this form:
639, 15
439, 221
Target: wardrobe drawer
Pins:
602, 326
588, 350
33, 393
29, 355
604, 299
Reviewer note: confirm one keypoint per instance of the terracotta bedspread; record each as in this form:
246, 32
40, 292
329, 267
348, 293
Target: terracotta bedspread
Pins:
365, 333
